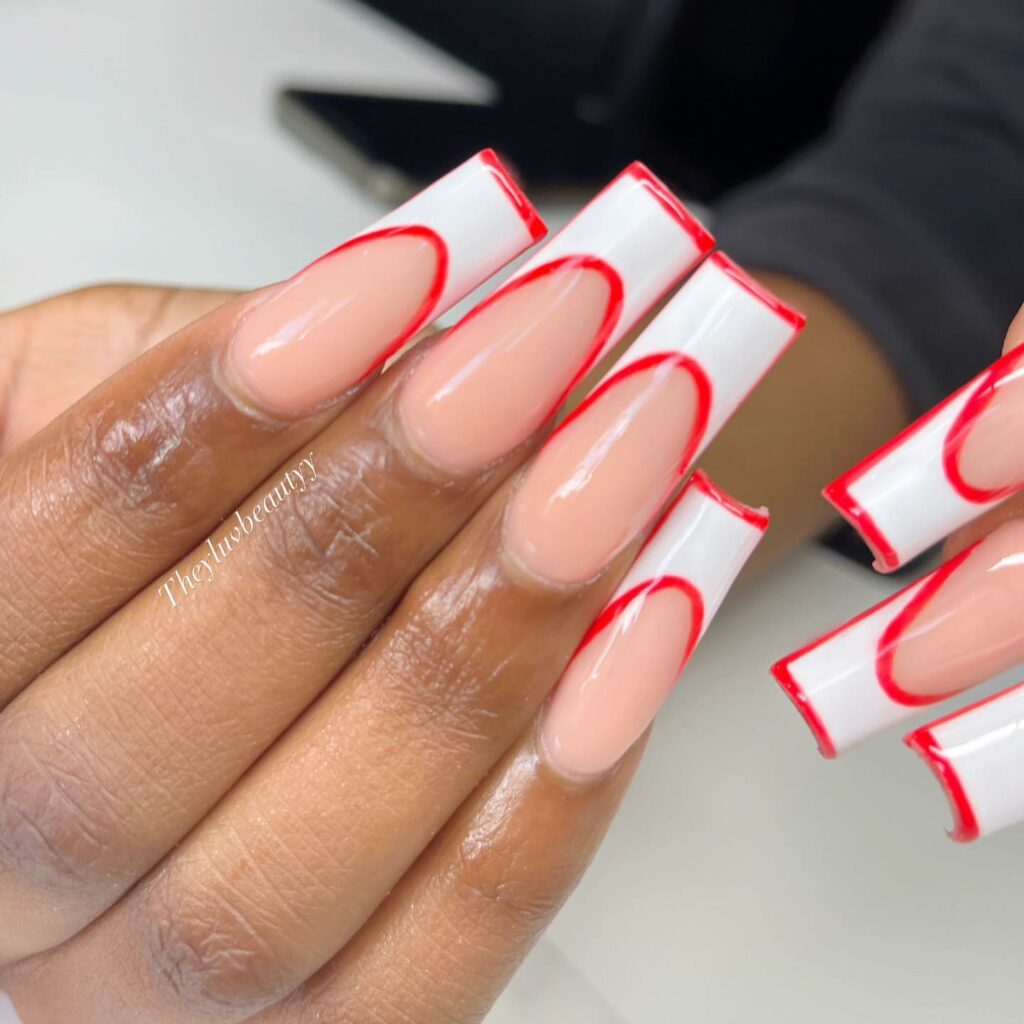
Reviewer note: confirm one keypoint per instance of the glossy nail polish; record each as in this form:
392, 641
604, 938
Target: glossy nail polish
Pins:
612, 463
637, 648
315, 336
505, 368
948, 468
977, 756
957, 627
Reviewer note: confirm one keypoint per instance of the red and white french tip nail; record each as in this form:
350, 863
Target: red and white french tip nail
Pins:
977, 756
480, 218
916, 648
637, 434
630, 659
638, 236
724, 332
948, 468
311, 338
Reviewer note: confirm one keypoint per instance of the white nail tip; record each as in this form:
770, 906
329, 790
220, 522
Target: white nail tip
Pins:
909, 495
643, 234
482, 217
977, 756
705, 538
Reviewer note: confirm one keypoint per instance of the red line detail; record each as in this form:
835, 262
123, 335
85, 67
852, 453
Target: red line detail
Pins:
702, 238
756, 517
759, 518
428, 308
923, 743
526, 210
642, 591
795, 692
893, 635
791, 315
680, 361
838, 495
972, 411
838, 492
612, 315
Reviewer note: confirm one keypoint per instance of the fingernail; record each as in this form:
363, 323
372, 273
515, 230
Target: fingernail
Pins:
324, 330
946, 469
977, 756
637, 648
955, 628
505, 368
612, 463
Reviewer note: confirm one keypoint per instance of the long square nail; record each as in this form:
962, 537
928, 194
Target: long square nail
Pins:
315, 336
507, 366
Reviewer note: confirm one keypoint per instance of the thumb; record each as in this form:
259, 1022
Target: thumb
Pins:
55, 351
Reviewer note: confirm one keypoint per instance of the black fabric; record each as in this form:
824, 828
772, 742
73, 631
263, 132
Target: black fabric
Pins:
910, 212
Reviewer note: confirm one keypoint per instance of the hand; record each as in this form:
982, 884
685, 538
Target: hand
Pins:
277, 626
959, 468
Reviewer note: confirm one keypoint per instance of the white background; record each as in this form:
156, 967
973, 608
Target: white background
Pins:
745, 879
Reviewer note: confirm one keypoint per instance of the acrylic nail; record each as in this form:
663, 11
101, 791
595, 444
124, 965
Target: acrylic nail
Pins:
945, 470
507, 366
951, 630
315, 336
977, 756
638, 647
612, 463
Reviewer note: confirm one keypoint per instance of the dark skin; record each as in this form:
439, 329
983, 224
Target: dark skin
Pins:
359, 672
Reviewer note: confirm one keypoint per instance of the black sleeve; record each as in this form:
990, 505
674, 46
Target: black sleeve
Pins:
910, 212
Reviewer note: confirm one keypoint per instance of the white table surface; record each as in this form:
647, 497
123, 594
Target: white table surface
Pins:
744, 879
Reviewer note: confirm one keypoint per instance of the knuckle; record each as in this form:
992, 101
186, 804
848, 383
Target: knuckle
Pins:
59, 822
501, 895
212, 949
323, 541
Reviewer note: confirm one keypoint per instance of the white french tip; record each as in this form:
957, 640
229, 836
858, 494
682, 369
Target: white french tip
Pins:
844, 684
727, 331
910, 494
481, 215
644, 236
977, 756
704, 539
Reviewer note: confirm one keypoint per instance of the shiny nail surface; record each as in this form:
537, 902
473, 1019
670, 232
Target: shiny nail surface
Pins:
505, 368
637, 648
955, 628
315, 336
948, 468
977, 757
612, 463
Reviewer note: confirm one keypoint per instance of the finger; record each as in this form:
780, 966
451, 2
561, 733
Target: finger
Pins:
622, 672
458, 925
292, 862
330, 543
147, 464
55, 351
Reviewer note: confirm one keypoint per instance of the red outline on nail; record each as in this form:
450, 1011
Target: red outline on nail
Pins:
425, 313
838, 492
613, 311
526, 210
983, 395
759, 518
642, 591
795, 692
893, 635
790, 314
680, 361
783, 674
670, 202
923, 743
